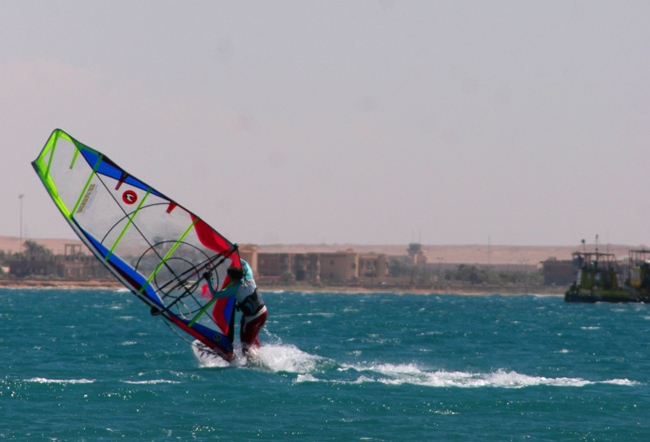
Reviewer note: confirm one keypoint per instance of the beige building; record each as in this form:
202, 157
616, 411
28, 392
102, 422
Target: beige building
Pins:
274, 264
373, 265
339, 267
303, 266
77, 268
416, 255
306, 267
248, 252
559, 272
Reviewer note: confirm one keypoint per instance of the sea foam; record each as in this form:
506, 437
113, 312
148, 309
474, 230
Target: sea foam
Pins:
398, 374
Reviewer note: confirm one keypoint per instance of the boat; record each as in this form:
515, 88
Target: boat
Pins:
598, 280
638, 279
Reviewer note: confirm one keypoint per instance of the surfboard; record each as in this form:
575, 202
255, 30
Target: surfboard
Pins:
206, 357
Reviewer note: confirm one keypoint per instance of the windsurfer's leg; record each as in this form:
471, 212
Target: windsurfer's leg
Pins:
250, 328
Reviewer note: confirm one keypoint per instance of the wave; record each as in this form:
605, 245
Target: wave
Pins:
151, 381
60, 381
270, 357
399, 374
283, 358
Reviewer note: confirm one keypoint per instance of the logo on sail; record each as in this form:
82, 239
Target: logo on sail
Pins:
88, 198
129, 197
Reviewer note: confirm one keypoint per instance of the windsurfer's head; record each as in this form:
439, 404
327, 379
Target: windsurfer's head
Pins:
235, 273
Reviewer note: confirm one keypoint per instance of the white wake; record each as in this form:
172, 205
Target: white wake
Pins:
398, 374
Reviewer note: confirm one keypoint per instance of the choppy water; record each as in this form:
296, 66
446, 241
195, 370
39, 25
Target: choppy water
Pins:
94, 365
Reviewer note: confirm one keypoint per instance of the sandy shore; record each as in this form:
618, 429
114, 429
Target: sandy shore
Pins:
39, 283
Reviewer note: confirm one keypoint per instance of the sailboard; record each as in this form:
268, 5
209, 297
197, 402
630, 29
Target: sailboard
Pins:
153, 245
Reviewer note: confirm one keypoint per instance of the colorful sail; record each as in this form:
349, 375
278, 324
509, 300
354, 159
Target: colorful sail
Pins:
153, 245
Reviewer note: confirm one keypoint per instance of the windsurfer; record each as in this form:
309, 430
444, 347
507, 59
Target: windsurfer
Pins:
242, 286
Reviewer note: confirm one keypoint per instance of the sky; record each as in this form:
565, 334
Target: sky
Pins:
365, 122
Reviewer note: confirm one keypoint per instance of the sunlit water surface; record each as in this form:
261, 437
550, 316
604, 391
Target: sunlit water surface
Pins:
94, 365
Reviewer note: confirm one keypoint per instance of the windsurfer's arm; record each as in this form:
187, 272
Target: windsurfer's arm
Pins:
231, 290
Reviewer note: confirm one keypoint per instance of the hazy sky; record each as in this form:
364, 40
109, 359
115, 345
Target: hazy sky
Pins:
370, 122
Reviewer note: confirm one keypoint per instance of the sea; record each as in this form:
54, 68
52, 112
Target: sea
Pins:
94, 365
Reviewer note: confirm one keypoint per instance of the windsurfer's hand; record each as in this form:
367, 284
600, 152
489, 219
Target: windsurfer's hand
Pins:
206, 276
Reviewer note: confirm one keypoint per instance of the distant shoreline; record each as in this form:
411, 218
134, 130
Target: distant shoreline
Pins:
41, 283
442, 255
460, 291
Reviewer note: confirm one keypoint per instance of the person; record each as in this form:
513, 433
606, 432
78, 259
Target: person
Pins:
242, 286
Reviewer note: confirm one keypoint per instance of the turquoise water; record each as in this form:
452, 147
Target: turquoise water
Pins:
94, 365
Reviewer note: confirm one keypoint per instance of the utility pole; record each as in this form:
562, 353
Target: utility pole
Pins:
524, 261
440, 259
488, 251
20, 197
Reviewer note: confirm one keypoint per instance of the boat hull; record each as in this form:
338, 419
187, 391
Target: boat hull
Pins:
597, 295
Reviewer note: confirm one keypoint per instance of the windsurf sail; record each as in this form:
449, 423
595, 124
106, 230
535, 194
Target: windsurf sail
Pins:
154, 246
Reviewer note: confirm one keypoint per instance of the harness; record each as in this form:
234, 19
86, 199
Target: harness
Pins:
251, 305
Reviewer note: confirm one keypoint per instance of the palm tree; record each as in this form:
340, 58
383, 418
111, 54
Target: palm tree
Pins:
36, 252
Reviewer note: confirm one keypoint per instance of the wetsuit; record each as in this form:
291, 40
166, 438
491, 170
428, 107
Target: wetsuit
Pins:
250, 303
